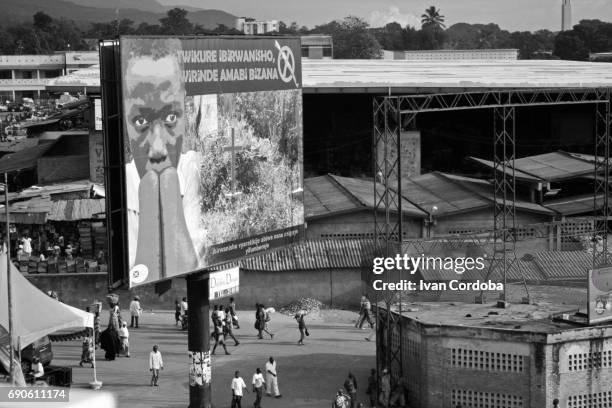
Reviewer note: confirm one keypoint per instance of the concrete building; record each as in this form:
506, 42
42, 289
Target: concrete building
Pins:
566, 15
450, 55
317, 46
25, 76
518, 357
250, 26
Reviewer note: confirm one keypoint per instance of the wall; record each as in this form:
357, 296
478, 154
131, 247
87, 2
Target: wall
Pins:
355, 225
272, 288
60, 168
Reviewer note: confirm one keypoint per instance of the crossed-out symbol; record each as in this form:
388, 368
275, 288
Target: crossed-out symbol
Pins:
286, 63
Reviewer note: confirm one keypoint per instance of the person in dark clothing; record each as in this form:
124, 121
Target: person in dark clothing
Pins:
260, 320
177, 312
299, 317
350, 385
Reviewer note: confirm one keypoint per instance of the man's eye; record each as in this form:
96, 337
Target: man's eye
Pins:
171, 119
140, 121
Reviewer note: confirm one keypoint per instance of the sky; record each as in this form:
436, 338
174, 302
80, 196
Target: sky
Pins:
513, 15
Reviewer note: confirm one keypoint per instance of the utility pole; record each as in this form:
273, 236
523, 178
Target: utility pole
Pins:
8, 281
198, 340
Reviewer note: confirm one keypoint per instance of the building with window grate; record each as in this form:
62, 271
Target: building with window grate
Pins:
462, 354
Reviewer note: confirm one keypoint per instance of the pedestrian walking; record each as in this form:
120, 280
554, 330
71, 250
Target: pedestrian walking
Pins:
177, 312
124, 337
350, 385
272, 378
232, 308
261, 321
372, 387
156, 363
238, 386
135, 311
299, 317
366, 312
385, 388
259, 385
219, 337
228, 327
268, 319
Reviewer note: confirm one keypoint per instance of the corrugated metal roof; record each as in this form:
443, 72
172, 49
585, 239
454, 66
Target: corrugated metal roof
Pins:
548, 167
519, 175
313, 255
331, 195
433, 189
555, 166
316, 40
74, 210
582, 204
564, 265
484, 189
322, 196
413, 76
416, 76
363, 190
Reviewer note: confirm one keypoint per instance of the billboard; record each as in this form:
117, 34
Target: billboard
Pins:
600, 295
224, 283
213, 150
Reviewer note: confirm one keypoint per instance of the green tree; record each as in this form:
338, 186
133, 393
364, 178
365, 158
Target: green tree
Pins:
352, 38
432, 18
42, 21
176, 22
569, 46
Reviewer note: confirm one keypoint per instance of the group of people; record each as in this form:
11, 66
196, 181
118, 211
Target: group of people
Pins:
223, 322
115, 339
260, 384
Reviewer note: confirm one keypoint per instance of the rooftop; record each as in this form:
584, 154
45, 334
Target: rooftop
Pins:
532, 318
331, 195
382, 76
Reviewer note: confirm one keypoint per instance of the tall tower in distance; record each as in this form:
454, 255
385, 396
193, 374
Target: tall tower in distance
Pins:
566, 15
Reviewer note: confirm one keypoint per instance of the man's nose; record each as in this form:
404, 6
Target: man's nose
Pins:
157, 144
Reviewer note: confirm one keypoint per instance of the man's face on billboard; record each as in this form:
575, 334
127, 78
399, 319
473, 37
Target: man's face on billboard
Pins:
155, 112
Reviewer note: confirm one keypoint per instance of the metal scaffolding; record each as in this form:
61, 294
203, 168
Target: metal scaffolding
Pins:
394, 114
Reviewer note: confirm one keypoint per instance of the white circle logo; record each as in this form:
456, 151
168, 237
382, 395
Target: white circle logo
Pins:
286, 64
139, 273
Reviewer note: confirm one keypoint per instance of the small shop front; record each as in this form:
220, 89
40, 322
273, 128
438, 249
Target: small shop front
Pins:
62, 236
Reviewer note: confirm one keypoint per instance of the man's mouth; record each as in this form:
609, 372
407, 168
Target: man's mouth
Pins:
159, 164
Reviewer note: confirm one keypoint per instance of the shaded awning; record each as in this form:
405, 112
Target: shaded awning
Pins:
24, 159
74, 210
31, 211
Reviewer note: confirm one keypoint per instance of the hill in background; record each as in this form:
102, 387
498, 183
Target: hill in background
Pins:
148, 11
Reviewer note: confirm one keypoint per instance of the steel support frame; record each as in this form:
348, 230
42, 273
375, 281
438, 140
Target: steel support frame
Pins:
388, 225
603, 135
394, 113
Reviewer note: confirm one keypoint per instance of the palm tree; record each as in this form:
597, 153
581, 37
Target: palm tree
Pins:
432, 18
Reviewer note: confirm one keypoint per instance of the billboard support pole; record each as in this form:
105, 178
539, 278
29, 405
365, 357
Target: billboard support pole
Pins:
198, 340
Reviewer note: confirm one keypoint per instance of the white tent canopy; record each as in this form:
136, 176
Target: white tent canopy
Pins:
35, 314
